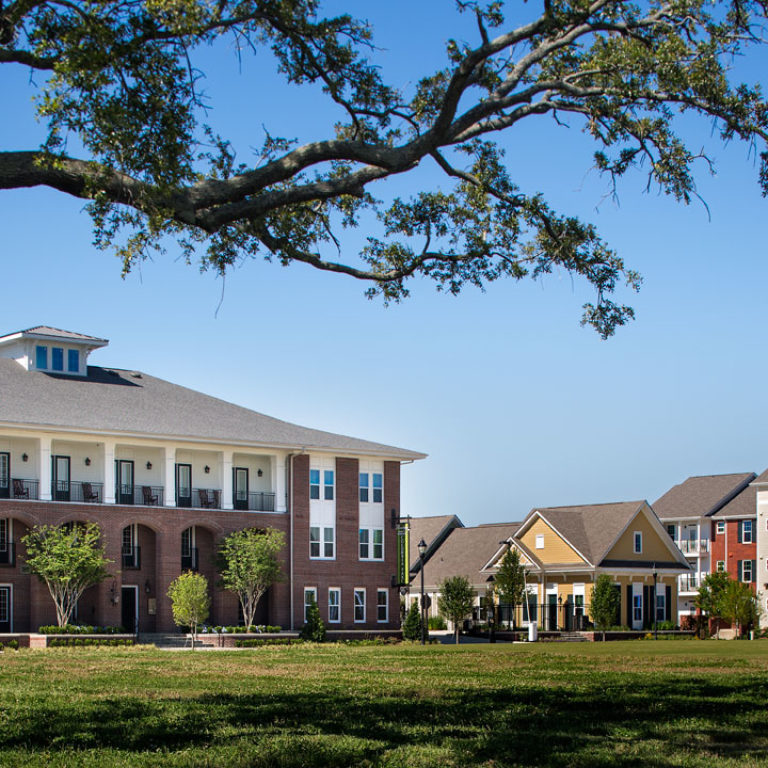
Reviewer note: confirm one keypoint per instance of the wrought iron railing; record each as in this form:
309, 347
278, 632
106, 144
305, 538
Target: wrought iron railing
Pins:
8, 554
148, 495
131, 557
189, 562
73, 490
24, 489
207, 498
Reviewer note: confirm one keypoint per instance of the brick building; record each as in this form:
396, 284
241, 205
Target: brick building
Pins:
166, 472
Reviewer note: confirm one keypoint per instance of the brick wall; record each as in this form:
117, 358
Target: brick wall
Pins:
726, 547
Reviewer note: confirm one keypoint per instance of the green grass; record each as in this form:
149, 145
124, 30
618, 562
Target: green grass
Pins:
670, 703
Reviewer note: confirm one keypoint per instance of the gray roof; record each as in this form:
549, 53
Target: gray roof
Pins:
701, 496
465, 551
57, 333
111, 400
742, 505
433, 530
591, 528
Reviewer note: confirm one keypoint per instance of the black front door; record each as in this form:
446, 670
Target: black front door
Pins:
5, 475
124, 481
240, 483
129, 609
5, 609
60, 477
183, 485
551, 612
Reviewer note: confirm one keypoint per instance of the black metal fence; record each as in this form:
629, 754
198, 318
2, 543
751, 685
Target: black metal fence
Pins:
555, 616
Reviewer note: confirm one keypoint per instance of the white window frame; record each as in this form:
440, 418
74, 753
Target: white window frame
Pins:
9, 607
720, 527
720, 567
314, 487
322, 541
379, 605
661, 605
329, 488
744, 539
744, 564
637, 542
337, 605
5, 533
313, 590
358, 604
370, 544
364, 487
637, 607
132, 544
539, 541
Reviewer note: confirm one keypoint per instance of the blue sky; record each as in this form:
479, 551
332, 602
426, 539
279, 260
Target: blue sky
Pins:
515, 403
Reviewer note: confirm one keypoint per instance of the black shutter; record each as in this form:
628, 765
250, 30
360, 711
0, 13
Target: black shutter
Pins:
739, 570
754, 570
740, 529
629, 605
668, 604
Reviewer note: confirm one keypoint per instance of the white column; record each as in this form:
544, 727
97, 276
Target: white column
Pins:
109, 472
169, 490
277, 469
225, 472
44, 463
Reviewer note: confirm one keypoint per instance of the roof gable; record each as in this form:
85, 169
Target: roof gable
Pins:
701, 496
556, 548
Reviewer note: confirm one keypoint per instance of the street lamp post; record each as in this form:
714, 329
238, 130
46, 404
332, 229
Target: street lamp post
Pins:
422, 547
655, 606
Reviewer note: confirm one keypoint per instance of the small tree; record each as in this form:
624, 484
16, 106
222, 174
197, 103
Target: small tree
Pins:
190, 601
248, 564
313, 629
456, 600
412, 624
739, 606
606, 602
510, 581
710, 598
69, 559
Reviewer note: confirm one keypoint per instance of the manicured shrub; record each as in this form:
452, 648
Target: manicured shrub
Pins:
436, 622
80, 629
412, 624
313, 629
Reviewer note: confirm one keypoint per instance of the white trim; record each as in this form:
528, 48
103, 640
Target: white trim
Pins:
355, 590
379, 590
337, 605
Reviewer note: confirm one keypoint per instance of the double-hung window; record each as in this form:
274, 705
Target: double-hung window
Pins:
314, 483
371, 543
637, 607
334, 605
661, 606
310, 598
382, 605
746, 532
746, 570
359, 596
638, 540
720, 527
322, 542
371, 487
328, 484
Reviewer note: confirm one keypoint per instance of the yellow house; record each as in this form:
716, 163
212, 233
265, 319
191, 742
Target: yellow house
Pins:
565, 549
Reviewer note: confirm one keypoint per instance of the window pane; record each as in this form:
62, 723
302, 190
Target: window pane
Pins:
363, 538
73, 361
41, 357
377, 489
57, 359
364, 487
359, 605
381, 605
328, 542
328, 483
314, 541
378, 544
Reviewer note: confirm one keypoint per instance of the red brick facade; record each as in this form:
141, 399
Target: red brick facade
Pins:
728, 549
159, 532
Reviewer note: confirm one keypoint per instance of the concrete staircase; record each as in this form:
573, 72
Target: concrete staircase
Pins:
572, 637
162, 640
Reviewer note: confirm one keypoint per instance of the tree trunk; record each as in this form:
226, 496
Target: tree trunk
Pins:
456, 628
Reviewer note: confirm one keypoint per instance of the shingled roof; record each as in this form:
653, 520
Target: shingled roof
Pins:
591, 528
433, 530
466, 551
134, 403
744, 504
701, 496
56, 333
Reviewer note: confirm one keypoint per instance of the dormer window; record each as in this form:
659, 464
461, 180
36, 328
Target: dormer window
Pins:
41, 358
73, 361
57, 359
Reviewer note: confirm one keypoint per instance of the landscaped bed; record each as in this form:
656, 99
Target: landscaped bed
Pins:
695, 703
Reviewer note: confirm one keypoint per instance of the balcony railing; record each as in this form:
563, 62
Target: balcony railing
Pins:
24, 489
131, 557
689, 583
189, 561
90, 493
8, 554
256, 501
207, 498
693, 547
141, 495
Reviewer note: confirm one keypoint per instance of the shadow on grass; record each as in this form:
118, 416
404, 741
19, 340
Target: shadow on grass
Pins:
590, 724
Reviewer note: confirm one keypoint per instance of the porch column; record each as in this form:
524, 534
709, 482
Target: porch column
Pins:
277, 470
225, 472
44, 464
109, 472
169, 490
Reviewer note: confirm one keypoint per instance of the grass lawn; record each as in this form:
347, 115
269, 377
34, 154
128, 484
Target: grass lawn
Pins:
671, 703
